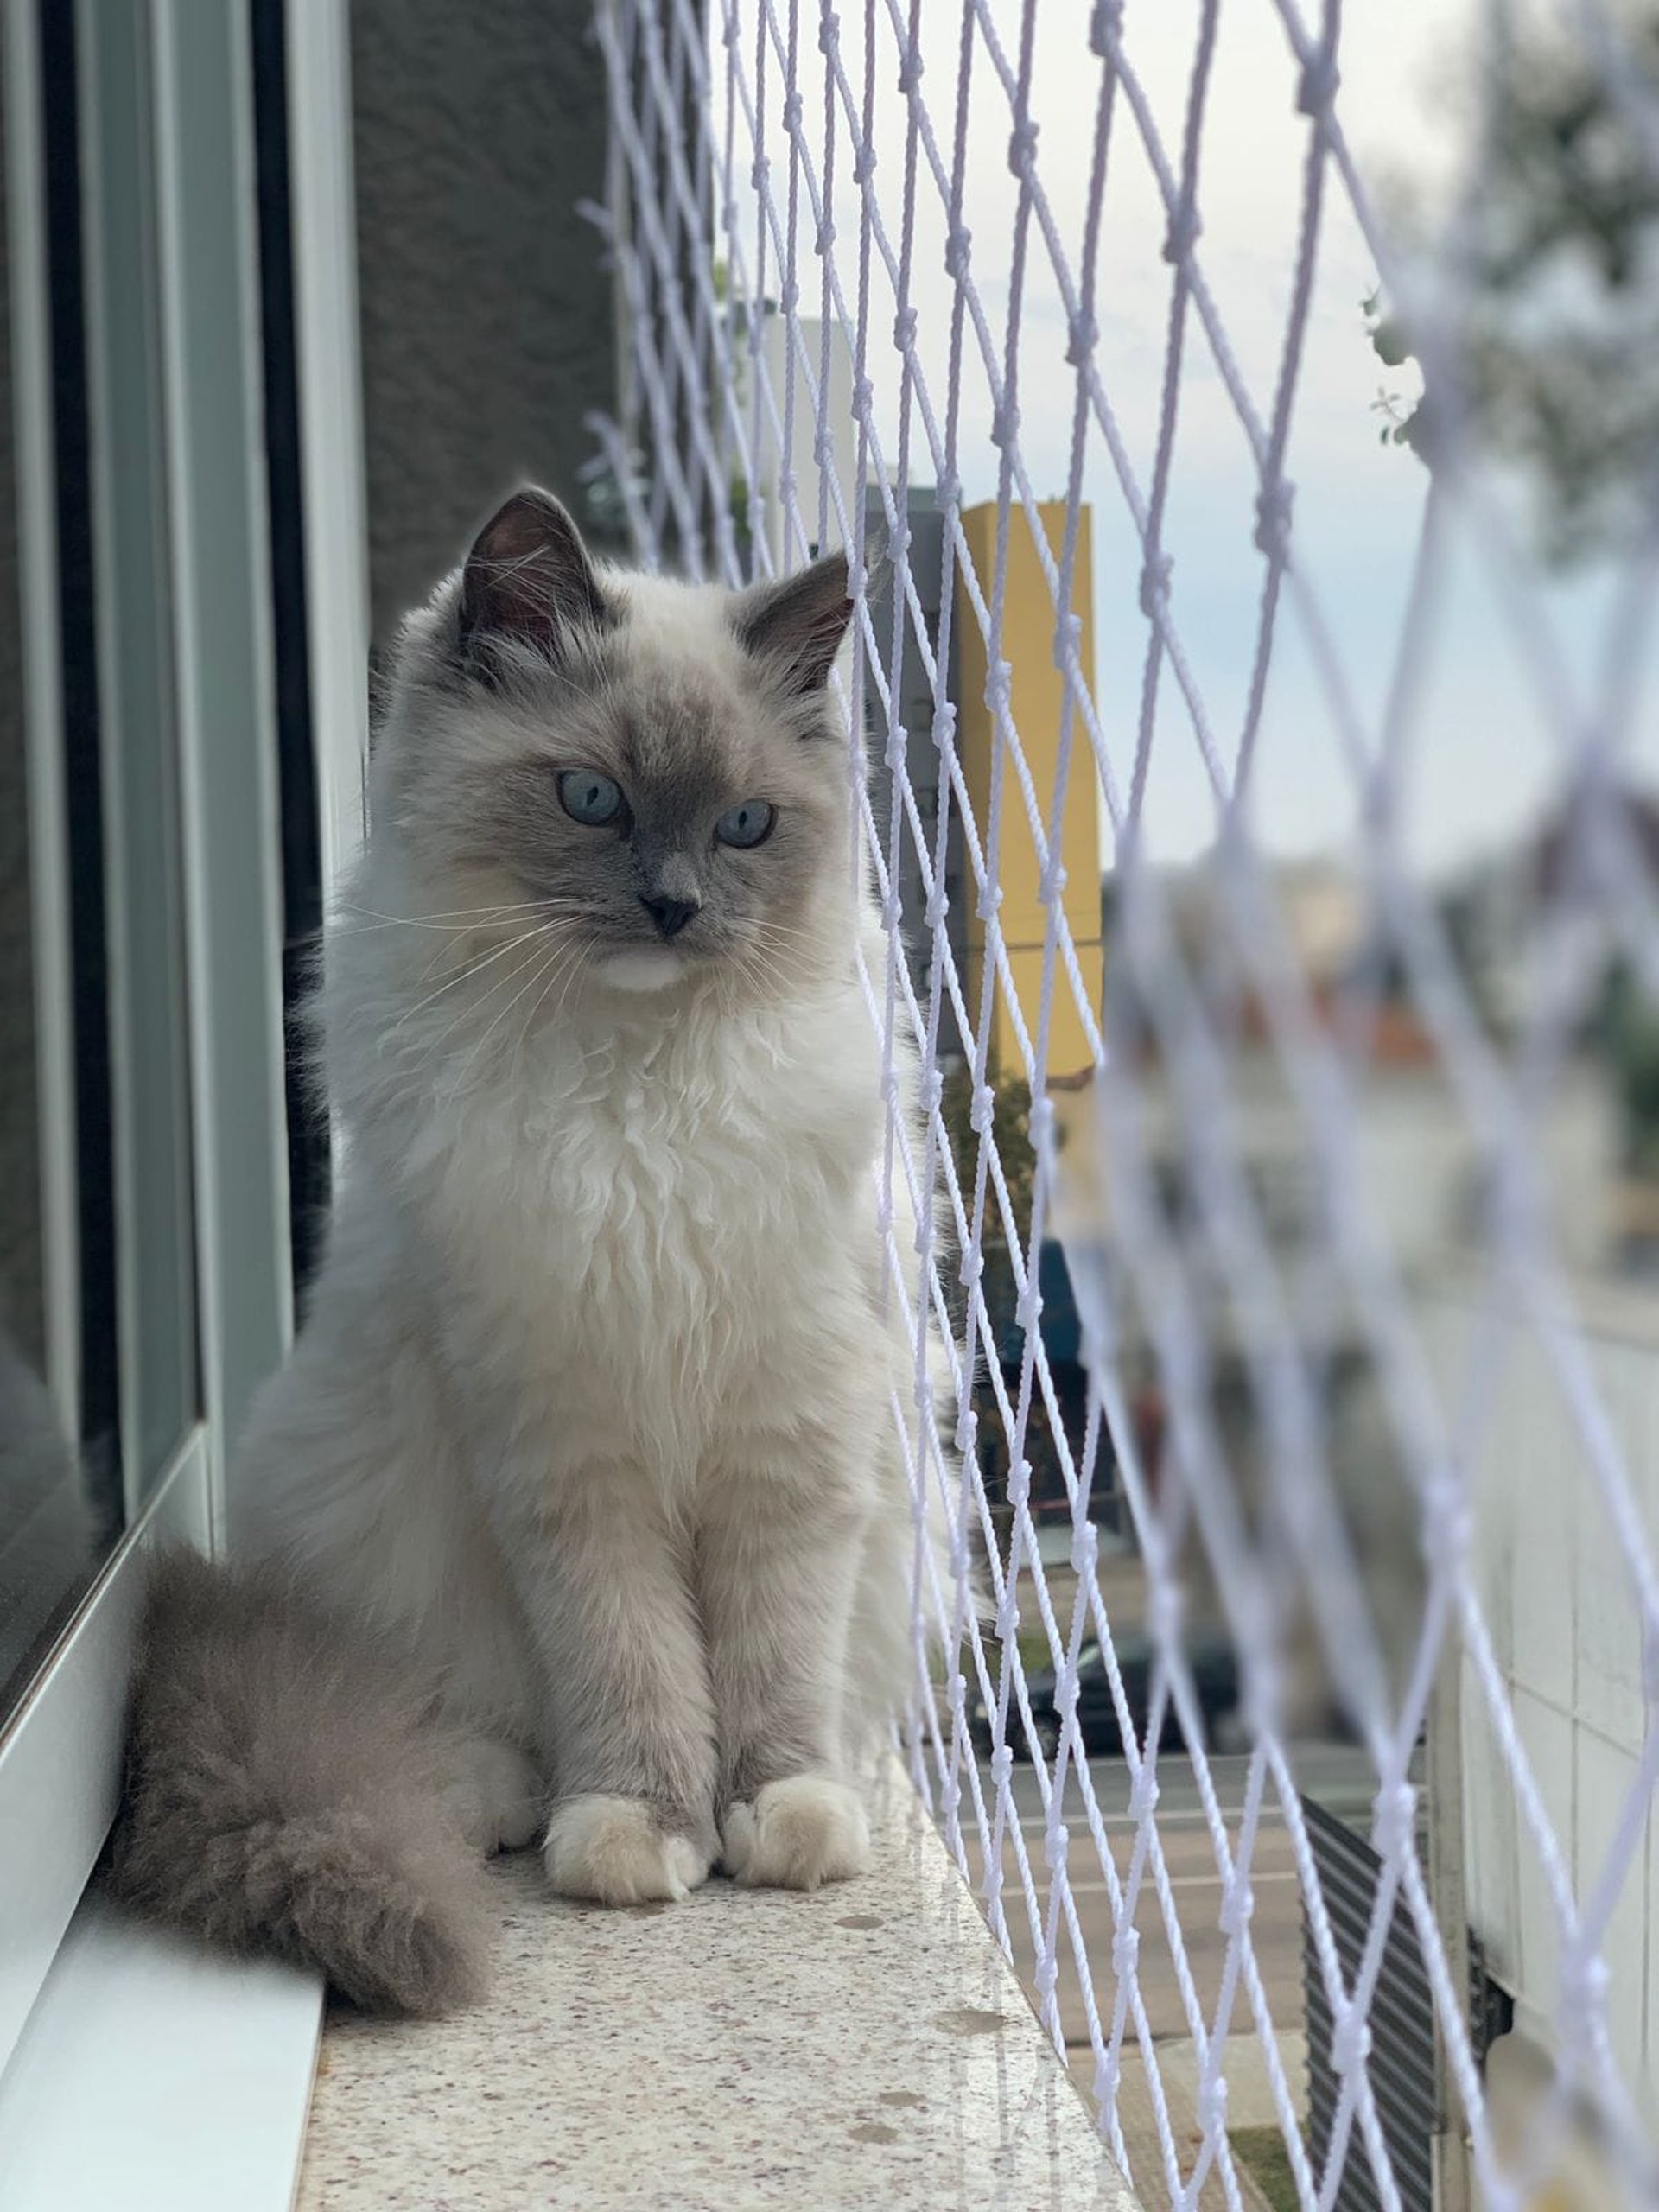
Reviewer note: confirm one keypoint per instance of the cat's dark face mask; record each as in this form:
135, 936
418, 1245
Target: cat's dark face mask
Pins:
653, 773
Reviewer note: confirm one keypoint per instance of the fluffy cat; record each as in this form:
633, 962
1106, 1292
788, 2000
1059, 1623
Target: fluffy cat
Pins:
579, 1507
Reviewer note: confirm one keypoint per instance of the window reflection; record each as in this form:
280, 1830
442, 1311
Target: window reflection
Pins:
60, 1491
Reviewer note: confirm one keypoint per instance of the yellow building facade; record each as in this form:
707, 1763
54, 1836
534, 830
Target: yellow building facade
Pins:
1037, 709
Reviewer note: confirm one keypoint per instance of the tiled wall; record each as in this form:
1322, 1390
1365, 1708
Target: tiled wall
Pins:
1560, 1601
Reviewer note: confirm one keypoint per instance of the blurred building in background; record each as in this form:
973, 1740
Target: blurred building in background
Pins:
1051, 732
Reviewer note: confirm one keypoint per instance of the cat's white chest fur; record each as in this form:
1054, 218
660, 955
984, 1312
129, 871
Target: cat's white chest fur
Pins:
660, 1231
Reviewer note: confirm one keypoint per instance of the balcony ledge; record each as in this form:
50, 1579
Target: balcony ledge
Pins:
866, 2046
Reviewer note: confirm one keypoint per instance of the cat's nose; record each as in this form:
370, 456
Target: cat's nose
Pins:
670, 915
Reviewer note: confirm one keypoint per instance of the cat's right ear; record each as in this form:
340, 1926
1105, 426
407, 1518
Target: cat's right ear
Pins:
796, 627
528, 581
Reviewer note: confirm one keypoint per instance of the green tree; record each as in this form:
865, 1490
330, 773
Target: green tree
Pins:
1011, 1129
1556, 311
1626, 1027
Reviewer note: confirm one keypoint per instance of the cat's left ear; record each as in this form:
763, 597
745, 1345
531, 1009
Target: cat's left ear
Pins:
796, 627
528, 580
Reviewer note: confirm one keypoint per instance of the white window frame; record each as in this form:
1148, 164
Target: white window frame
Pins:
67, 1972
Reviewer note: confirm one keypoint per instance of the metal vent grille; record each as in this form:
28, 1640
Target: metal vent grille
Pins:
1400, 2019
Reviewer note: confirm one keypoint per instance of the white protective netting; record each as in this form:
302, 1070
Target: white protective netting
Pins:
1371, 1476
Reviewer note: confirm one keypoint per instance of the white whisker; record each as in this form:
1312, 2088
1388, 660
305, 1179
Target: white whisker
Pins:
466, 1066
465, 975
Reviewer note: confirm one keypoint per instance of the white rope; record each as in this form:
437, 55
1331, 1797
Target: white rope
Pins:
740, 151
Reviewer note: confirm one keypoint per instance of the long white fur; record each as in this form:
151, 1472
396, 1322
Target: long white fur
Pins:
620, 1246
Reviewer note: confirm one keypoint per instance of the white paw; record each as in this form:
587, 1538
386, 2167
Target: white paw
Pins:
613, 1850
496, 1796
797, 1834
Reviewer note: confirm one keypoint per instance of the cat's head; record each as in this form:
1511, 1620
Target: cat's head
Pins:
649, 771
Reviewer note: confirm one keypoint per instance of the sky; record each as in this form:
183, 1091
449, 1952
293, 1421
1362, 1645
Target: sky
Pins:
1480, 759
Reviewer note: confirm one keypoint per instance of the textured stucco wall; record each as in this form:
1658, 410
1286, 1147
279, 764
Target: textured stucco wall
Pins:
486, 315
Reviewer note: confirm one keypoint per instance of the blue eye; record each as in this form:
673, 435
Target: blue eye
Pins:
588, 798
748, 824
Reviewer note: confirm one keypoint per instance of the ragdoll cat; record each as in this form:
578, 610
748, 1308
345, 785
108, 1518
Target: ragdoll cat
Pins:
578, 1510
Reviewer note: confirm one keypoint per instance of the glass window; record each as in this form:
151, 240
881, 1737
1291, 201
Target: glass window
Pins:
61, 1504
138, 747
99, 1382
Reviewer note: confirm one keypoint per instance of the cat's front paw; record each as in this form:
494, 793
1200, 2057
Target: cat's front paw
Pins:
796, 1834
614, 1850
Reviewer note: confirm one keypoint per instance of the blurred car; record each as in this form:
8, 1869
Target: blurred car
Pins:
1215, 1675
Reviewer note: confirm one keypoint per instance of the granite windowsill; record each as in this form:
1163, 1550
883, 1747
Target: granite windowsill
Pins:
866, 2046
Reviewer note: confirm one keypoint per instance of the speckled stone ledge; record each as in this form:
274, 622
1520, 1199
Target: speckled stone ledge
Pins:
868, 2046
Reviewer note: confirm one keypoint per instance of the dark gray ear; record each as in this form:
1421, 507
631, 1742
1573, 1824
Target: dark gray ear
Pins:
528, 578
796, 626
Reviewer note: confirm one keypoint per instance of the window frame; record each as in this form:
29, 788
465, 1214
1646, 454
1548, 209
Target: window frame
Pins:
61, 1751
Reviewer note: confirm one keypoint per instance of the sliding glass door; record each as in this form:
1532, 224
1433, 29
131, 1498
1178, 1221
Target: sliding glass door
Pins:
171, 356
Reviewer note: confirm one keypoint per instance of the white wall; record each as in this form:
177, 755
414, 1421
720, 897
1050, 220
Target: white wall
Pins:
1560, 1604
782, 361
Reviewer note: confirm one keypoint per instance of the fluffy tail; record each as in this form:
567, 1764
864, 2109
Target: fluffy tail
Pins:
285, 1795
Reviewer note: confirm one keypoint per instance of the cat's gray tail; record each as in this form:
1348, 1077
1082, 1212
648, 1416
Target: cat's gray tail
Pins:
285, 1795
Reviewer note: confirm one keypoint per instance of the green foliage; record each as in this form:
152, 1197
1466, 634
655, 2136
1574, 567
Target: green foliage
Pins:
1262, 2152
1626, 1029
1402, 424
738, 496
1011, 1126
1558, 336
